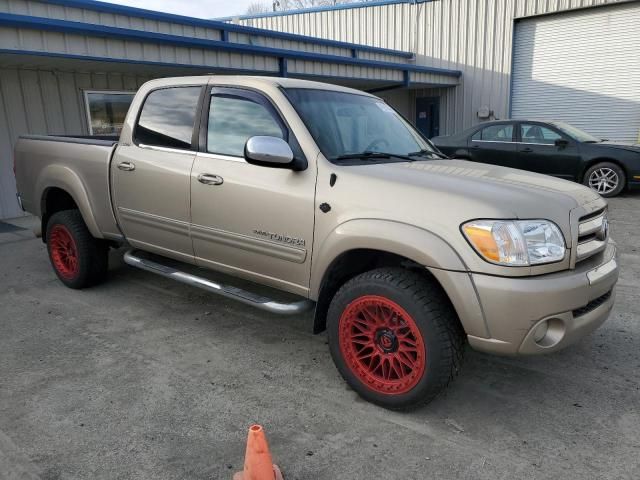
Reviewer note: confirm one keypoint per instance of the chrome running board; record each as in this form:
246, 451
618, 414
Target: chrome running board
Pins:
228, 291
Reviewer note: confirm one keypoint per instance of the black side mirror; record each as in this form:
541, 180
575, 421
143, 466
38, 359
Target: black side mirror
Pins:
561, 142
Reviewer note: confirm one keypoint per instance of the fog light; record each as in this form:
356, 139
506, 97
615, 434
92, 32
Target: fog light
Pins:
541, 331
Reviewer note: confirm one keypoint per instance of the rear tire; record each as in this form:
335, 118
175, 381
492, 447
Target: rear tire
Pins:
606, 178
79, 259
394, 337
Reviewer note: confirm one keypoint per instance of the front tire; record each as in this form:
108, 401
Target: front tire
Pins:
606, 178
395, 337
79, 259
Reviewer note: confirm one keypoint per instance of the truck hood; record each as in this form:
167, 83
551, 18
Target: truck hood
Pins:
517, 193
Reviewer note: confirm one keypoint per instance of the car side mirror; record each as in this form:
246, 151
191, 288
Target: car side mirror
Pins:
268, 152
561, 142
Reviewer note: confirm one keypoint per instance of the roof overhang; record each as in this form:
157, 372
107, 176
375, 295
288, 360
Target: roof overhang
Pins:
276, 61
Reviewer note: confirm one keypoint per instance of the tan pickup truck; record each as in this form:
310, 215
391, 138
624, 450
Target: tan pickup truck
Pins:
329, 194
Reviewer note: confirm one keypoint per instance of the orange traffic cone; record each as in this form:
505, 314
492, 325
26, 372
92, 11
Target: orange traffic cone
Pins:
257, 459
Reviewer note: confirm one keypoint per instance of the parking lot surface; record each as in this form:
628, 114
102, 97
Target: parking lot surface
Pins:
143, 378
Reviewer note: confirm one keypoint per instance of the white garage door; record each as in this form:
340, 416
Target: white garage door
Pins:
582, 68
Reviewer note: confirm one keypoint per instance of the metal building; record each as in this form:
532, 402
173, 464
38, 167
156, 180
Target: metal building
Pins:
571, 60
72, 66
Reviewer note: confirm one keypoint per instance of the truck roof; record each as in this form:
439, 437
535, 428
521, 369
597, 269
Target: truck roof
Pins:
253, 80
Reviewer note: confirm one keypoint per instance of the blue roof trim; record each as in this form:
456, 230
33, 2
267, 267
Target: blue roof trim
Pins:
206, 69
325, 8
202, 69
216, 24
65, 26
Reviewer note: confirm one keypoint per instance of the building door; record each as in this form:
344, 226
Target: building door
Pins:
582, 68
428, 116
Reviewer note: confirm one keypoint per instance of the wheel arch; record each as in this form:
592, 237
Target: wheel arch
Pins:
361, 245
62, 189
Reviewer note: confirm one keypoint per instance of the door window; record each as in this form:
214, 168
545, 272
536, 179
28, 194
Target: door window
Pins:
168, 116
495, 133
538, 134
235, 119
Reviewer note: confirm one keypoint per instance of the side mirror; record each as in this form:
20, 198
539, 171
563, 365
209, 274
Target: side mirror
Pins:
268, 152
561, 142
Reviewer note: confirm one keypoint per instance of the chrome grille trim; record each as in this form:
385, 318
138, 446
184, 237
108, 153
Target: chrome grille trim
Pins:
590, 226
590, 241
589, 248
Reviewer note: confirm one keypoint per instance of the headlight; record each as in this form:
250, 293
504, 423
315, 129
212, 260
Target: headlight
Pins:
516, 242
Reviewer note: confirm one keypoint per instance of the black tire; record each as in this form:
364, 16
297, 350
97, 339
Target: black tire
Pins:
79, 259
432, 314
606, 189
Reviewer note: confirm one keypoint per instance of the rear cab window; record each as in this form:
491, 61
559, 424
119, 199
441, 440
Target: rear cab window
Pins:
167, 118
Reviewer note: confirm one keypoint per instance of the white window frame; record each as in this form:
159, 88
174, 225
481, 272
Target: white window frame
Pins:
85, 95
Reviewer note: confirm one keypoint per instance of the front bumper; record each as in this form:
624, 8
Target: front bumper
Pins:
570, 304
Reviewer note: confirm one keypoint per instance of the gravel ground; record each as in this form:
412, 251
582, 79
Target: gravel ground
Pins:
145, 378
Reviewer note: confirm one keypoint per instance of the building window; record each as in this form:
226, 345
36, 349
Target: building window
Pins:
106, 111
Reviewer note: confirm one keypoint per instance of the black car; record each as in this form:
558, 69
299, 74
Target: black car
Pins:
554, 148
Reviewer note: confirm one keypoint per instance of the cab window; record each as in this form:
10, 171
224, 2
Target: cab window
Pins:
235, 119
495, 133
538, 134
167, 117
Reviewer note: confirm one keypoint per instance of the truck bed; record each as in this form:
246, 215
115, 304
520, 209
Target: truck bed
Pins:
77, 164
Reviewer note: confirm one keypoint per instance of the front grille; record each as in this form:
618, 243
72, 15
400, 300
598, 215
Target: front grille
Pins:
593, 234
592, 305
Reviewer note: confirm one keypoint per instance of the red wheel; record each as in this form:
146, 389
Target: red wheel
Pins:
382, 345
395, 337
64, 253
78, 259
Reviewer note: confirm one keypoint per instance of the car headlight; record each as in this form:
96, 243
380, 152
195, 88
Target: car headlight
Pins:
516, 242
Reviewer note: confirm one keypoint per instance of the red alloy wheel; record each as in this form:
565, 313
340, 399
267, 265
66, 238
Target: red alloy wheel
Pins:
382, 345
64, 253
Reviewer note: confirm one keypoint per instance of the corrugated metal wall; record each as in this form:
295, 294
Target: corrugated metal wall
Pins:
87, 15
474, 36
578, 69
45, 102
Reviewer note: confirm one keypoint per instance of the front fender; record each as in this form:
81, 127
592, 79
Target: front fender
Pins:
409, 241
59, 176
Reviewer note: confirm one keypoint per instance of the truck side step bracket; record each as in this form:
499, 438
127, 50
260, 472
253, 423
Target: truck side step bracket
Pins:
243, 296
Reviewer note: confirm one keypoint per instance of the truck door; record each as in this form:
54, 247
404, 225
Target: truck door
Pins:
151, 177
252, 221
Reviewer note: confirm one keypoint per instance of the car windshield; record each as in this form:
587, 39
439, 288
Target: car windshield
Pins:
575, 133
351, 126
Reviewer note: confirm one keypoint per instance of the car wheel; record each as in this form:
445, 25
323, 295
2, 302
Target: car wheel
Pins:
395, 337
606, 178
79, 259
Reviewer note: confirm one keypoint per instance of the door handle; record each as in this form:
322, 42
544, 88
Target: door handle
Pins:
209, 179
126, 166
526, 150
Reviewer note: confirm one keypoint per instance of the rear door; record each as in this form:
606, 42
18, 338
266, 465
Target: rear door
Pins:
151, 177
495, 144
252, 221
539, 152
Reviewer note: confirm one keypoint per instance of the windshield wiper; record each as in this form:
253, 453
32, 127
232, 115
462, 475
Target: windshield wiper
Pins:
424, 151
373, 155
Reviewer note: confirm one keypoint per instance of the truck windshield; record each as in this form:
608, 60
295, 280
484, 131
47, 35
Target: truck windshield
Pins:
350, 126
